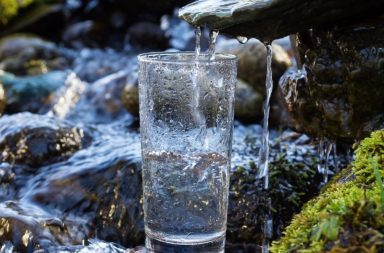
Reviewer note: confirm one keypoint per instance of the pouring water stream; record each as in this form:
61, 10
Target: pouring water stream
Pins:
264, 149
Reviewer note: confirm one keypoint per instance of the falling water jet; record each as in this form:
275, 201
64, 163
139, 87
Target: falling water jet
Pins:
198, 39
212, 44
197, 114
264, 149
325, 148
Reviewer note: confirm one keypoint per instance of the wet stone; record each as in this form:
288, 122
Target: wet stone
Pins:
147, 35
252, 61
338, 93
271, 19
28, 227
294, 179
7, 182
252, 66
97, 197
248, 103
36, 140
32, 93
85, 34
23, 54
96, 192
130, 98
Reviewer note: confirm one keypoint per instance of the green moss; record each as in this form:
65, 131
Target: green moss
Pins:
372, 147
9, 9
348, 216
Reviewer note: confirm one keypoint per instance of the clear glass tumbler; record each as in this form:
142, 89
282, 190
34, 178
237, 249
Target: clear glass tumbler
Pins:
186, 123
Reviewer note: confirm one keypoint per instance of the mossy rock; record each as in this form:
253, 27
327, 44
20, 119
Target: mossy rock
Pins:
9, 9
349, 215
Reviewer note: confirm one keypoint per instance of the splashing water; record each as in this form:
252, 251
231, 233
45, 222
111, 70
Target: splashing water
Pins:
242, 39
68, 97
6, 248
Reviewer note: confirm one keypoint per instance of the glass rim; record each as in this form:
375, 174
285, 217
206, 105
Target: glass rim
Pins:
160, 57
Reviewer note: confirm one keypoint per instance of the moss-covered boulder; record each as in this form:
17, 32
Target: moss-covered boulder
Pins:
349, 214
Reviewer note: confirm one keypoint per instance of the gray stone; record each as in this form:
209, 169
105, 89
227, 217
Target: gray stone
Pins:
248, 103
339, 92
271, 19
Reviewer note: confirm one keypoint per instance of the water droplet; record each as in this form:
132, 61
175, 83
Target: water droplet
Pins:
242, 39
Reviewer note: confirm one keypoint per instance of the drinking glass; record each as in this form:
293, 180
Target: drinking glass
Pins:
186, 123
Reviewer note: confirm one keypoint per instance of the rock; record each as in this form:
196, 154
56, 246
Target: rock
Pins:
33, 93
28, 227
7, 180
293, 180
96, 197
102, 102
252, 67
147, 36
96, 191
252, 61
35, 140
272, 19
348, 214
85, 34
130, 98
24, 54
3, 99
248, 103
338, 93
41, 18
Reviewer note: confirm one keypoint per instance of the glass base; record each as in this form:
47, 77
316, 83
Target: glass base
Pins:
156, 246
